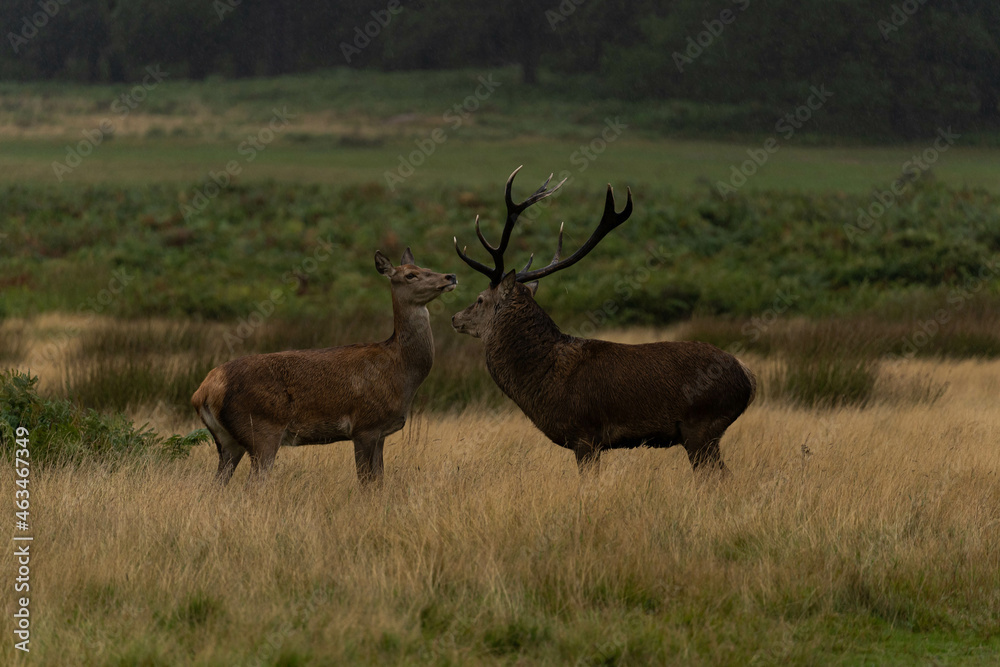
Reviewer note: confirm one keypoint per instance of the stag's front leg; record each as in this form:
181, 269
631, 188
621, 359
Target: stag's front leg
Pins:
368, 457
588, 458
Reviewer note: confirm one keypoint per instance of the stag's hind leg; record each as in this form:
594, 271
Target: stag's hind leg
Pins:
368, 457
588, 458
702, 446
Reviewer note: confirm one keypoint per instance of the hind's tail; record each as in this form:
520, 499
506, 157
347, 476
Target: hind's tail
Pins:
210, 393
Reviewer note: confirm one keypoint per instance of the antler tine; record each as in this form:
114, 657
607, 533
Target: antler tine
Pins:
506, 193
481, 268
609, 208
609, 221
555, 258
527, 266
482, 239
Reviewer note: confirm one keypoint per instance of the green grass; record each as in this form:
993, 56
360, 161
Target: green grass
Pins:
350, 127
683, 165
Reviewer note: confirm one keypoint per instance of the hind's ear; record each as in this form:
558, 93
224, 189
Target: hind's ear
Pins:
407, 257
383, 264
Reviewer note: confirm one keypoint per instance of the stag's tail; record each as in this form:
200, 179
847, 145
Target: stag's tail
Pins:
752, 379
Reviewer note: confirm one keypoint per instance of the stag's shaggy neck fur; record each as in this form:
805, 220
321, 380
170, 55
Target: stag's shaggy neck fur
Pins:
524, 347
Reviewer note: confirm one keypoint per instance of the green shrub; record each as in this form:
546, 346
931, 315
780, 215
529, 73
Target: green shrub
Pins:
63, 433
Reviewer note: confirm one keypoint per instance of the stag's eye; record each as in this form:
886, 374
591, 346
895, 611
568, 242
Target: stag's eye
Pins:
479, 301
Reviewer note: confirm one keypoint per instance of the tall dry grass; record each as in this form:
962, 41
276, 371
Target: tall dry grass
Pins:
843, 536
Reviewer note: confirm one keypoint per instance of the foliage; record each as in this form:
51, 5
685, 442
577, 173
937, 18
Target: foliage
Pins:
62, 433
299, 252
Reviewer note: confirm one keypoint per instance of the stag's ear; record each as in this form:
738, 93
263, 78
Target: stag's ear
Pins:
383, 264
532, 287
506, 285
407, 257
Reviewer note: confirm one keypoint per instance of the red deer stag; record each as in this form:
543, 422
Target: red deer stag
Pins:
362, 392
590, 395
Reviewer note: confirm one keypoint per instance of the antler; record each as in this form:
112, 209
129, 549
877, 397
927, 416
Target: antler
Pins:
609, 221
513, 211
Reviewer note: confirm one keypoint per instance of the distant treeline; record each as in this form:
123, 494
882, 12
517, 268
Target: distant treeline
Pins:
898, 68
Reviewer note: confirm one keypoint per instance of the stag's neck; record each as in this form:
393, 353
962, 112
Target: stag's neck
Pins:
412, 339
524, 351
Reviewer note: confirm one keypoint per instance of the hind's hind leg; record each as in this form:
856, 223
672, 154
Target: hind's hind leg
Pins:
229, 458
230, 450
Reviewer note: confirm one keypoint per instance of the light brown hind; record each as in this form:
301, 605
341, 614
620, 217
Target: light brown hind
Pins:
258, 403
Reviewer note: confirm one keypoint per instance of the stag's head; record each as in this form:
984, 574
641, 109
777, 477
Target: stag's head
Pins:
508, 288
412, 285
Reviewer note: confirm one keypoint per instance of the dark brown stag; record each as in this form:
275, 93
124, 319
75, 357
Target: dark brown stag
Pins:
591, 395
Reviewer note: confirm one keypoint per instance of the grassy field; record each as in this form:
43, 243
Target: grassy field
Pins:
348, 127
684, 165
859, 526
845, 536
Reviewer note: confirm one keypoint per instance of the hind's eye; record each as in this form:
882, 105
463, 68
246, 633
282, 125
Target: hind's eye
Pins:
411, 276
